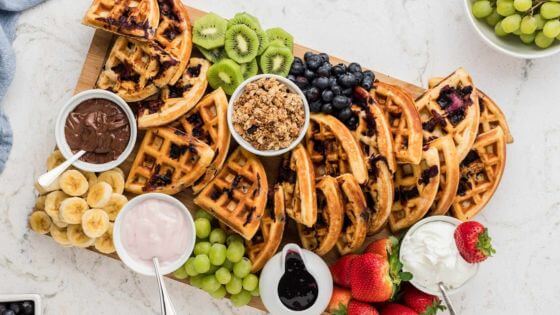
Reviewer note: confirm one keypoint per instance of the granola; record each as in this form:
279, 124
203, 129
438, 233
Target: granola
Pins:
268, 115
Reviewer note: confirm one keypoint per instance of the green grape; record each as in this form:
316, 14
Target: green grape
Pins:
201, 263
493, 18
223, 275
499, 30
542, 41
251, 282
551, 28
217, 254
217, 236
202, 227
212, 269
511, 23
210, 284
482, 9
189, 267
228, 264
180, 273
528, 25
234, 286
517, 32
242, 268
196, 281
241, 299
235, 238
505, 8
522, 5
203, 214
527, 38
540, 21
202, 248
220, 293
255, 292
558, 37
235, 251
550, 10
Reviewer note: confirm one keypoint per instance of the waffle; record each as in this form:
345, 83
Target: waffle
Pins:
133, 18
298, 180
416, 187
323, 235
461, 122
333, 149
167, 161
403, 119
356, 215
237, 195
207, 121
481, 172
449, 175
378, 192
135, 70
266, 241
176, 100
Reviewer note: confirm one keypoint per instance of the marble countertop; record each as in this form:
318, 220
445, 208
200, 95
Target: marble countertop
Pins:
409, 39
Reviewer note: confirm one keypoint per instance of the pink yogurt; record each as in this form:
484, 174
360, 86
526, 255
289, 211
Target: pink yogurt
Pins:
155, 228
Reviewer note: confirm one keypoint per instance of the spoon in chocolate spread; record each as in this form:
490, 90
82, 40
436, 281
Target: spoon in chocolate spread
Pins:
49, 177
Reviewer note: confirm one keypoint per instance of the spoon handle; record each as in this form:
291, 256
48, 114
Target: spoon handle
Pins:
166, 305
49, 177
446, 299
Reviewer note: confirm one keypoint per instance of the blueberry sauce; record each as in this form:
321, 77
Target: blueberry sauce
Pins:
297, 289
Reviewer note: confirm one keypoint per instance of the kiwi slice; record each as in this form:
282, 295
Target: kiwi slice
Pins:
209, 31
225, 74
242, 43
277, 60
279, 33
249, 69
213, 55
263, 41
276, 43
245, 19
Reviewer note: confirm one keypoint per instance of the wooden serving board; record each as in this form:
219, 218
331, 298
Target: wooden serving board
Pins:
97, 54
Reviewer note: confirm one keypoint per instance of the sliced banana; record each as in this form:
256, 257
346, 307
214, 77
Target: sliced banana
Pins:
45, 190
55, 159
59, 223
77, 237
40, 203
73, 183
60, 235
95, 222
114, 206
118, 169
40, 222
104, 243
72, 209
99, 195
113, 178
52, 203
91, 178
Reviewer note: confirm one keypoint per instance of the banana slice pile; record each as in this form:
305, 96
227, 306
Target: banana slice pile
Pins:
79, 208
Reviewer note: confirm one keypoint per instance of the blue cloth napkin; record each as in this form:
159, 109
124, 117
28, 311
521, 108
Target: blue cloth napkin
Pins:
9, 11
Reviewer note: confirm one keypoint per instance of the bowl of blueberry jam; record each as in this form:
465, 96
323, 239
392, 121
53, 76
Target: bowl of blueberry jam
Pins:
20, 304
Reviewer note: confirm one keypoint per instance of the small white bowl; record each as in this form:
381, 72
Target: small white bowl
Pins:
36, 298
132, 263
71, 105
245, 144
509, 45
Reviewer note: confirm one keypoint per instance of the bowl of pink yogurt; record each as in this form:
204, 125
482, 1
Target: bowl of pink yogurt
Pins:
154, 225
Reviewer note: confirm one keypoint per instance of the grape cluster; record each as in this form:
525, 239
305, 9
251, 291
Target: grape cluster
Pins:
534, 21
218, 265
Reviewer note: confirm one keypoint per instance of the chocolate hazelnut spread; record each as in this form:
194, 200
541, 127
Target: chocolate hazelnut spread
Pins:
100, 127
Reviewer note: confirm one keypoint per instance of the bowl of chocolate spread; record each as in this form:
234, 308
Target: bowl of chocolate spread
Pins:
100, 123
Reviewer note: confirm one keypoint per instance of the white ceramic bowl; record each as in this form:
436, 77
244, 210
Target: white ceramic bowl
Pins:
509, 45
441, 218
69, 107
139, 267
36, 298
246, 145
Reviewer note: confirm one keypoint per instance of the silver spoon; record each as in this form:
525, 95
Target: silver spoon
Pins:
166, 305
446, 299
49, 177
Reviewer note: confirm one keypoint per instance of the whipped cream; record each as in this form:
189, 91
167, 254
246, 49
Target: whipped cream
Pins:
431, 255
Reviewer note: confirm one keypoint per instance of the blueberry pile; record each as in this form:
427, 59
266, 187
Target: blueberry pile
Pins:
17, 308
329, 89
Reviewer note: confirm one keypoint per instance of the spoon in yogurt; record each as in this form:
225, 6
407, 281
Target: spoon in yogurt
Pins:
49, 177
446, 298
166, 305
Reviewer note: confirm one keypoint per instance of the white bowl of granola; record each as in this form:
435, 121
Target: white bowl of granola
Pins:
268, 115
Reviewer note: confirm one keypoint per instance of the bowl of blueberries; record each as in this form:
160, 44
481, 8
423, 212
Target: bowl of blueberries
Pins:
329, 88
20, 304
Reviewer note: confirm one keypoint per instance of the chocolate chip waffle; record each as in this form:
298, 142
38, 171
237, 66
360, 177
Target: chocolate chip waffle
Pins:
356, 215
266, 241
237, 195
481, 172
378, 192
207, 121
298, 180
333, 149
135, 70
451, 108
177, 99
167, 161
448, 172
133, 18
403, 119
323, 235
416, 187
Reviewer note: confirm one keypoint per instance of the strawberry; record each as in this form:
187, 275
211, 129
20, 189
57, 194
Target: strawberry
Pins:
423, 303
359, 308
383, 247
340, 270
339, 301
369, 278
473, 242
397, 309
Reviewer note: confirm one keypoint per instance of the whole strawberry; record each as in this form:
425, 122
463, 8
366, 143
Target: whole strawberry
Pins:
339, 301
369, 278
340, 270
473, 242
383, 247
397, 309
422, 303
359, 308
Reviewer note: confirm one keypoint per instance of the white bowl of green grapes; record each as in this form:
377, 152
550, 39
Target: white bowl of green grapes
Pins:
521, 28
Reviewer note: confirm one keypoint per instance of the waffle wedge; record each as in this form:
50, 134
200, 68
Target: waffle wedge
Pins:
356, 215
378, 192
449, 175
